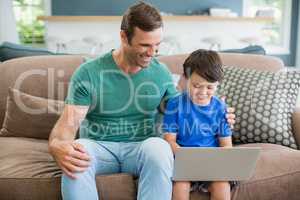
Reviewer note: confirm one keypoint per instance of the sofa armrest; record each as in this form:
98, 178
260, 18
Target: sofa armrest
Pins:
296, 124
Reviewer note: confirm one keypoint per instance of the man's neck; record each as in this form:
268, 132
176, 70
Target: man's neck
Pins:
123, 63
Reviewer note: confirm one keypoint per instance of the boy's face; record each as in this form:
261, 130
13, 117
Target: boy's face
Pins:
200, 90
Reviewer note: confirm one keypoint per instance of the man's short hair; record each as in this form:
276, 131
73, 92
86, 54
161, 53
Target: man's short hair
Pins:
206, 63
142, 15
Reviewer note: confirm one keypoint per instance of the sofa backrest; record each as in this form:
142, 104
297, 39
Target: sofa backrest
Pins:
48, 76
259, 62
43, 76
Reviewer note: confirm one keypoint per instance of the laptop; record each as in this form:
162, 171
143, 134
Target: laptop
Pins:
215, 164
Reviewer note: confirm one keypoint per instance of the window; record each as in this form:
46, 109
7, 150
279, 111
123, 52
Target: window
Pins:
276, 33
31, 31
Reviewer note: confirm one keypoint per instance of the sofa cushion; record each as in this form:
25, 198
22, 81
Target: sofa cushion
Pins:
264, 103
123, 186
251, 49
276, 176
296, 124
50, 188
10, 50
43, 76
29, 116
26, 158
251, 61
28, 171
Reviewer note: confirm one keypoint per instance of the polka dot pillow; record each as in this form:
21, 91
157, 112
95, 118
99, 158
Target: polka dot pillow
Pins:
264, 102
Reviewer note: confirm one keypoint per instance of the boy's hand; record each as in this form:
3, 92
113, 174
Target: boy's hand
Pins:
171, 139
230, 114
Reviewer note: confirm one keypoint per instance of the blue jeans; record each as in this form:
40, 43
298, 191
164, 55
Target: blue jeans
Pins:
151, 160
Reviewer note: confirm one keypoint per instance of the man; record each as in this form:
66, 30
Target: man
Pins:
113, 100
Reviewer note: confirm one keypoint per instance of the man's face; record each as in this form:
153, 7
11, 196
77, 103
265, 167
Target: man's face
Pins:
200, 90
143, 46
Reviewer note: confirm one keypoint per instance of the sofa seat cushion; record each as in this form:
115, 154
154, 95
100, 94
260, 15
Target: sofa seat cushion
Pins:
277, 175
49, 188
116, 187
26, 158
28, 169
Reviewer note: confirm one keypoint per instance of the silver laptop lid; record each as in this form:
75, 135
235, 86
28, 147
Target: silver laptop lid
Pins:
215, 164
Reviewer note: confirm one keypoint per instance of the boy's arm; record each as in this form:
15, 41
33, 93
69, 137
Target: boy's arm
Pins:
171, 139
225, 141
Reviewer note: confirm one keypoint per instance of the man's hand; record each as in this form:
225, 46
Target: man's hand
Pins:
230, 117
230, 114
70, 156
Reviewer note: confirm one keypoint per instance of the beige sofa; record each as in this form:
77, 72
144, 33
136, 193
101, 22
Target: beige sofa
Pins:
27, 171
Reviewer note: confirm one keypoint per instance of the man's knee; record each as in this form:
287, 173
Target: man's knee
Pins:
156, 146
90, 147
157, 151
87, 144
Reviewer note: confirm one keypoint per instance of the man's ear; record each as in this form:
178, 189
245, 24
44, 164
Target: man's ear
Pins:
123, 36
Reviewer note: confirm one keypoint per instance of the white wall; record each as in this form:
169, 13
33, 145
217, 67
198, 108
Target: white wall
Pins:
48, 7
8, 29
189, 34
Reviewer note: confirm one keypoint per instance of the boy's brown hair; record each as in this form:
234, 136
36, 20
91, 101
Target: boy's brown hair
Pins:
206, 63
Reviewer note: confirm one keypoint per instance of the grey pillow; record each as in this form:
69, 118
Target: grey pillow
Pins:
264, 102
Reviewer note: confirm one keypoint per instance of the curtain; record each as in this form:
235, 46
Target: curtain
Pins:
8, 28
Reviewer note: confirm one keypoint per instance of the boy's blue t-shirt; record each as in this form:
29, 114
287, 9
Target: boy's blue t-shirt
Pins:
196, 126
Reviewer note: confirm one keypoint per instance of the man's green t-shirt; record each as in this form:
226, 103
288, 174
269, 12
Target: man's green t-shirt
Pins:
122, 106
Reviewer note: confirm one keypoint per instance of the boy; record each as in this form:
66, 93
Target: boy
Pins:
196, 118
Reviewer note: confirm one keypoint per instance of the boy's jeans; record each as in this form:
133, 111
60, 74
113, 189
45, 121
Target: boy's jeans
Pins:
151, 160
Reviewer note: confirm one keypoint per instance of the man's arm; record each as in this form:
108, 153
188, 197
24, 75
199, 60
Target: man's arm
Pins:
230, 116
171, 139
70, 156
